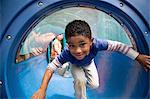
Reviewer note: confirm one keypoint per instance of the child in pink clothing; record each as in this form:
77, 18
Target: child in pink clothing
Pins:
56, 47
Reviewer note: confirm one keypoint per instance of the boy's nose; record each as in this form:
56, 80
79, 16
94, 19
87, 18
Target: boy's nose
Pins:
78, 50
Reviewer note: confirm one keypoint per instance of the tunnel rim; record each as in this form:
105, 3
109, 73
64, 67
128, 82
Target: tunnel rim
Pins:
68, 4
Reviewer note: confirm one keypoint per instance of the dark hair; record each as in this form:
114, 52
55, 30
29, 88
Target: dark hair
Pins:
77, 27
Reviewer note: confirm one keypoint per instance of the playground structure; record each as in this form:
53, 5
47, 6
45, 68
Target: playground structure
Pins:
118, 79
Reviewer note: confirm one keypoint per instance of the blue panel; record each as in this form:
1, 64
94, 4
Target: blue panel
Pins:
120, 77
138, 5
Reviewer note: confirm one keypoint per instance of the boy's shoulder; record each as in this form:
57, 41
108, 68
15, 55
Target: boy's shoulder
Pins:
65, 50
100, 44
98, 40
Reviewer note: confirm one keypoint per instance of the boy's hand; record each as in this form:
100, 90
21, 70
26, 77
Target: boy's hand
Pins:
40, 94
144, 60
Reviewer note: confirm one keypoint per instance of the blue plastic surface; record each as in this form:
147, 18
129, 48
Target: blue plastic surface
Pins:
117, 80
120, 77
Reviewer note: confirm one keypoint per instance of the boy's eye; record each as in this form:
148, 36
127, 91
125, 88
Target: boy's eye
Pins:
82, 44
71, 45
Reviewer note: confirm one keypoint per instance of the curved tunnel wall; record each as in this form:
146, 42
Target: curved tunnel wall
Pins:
30, 12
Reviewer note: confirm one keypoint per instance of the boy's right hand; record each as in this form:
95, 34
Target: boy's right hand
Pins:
144, 60
40, 94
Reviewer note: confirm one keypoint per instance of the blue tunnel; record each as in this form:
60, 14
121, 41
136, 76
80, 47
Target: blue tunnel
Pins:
120, 77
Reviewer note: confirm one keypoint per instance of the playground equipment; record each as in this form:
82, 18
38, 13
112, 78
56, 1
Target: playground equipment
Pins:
118, 79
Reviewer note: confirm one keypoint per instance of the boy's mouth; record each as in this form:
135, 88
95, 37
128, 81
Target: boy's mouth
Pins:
79, 56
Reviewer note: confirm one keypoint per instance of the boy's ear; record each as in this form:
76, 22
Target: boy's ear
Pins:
67, 45
92, 39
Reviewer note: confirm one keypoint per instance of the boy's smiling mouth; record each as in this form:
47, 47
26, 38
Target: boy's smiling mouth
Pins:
79, 56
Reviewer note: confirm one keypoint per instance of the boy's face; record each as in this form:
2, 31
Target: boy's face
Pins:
79, 46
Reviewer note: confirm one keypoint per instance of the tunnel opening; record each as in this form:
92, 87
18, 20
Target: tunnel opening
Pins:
17, 71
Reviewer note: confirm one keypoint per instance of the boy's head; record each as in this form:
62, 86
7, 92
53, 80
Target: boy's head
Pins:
78, 27
78, 36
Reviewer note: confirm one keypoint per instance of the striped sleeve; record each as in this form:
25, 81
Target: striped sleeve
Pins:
54, 64
118, 46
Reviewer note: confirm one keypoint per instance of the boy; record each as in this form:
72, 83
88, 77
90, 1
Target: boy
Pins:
81, 50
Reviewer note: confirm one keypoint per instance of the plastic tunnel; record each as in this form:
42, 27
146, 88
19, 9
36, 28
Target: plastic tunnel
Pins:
120, 76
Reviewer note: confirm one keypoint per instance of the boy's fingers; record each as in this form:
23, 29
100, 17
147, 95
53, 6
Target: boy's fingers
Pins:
33, 97
145, 68
148, 62
147, 56
148, 66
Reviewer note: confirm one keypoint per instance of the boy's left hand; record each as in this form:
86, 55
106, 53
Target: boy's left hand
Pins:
144, 60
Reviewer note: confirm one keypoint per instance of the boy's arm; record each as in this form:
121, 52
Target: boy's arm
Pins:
118, 46
41, 92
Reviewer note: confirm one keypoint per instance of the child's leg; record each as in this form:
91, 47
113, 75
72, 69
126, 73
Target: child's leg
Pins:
79, 82
91, 75
63, 69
